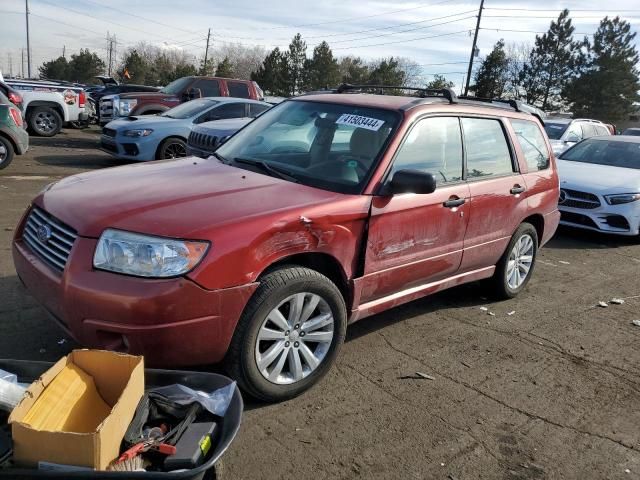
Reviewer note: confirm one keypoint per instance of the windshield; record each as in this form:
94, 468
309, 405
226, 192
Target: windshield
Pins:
555, 130
329, 146
605, 152
189, 109
177, 86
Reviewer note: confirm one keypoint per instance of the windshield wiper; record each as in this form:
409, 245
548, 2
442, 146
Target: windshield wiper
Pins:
269, 169
220, 157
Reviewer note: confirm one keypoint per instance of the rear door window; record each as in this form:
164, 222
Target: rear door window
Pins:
238, 89
532, 144
256, 109
208, 88
486, 147
601, 130
588, 130
434, 145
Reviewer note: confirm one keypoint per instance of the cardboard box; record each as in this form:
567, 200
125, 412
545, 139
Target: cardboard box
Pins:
119, 379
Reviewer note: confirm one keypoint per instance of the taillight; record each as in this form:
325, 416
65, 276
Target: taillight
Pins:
82, 99
15, 115
15, 98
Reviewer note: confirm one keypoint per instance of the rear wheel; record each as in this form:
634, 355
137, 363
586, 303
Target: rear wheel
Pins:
515, 268
172, 148
45, 121
6, 153
289, 334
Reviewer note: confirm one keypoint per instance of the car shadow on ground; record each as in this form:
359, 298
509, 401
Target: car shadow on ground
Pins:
64, 140
567, 238
91, 161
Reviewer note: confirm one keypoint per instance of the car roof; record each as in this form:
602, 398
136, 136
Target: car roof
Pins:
232, 100
559, 120
633, 129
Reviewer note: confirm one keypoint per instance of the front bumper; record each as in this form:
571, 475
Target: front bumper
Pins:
137, 149
172, 322
615, 219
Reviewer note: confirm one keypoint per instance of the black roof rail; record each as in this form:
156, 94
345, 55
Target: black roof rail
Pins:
517, 105
446, 93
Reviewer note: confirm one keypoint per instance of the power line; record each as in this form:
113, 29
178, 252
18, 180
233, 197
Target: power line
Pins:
402, 41
413, 29
525, 31
555, 10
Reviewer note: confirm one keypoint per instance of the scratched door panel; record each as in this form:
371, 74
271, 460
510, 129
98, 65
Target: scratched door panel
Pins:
414, 239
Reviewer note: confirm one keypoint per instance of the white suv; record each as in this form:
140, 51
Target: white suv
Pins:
566, 132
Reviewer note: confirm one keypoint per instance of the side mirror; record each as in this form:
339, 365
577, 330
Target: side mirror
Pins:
412, 181
572, 138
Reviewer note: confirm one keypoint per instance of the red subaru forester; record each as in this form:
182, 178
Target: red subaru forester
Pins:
326, 209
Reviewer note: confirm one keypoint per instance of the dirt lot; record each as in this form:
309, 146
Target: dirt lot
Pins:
551, 391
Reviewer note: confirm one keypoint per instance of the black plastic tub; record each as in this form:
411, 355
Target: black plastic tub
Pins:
28, 371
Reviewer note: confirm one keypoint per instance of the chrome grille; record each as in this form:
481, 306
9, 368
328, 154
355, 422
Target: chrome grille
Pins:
48, 238
106, 110
577, 199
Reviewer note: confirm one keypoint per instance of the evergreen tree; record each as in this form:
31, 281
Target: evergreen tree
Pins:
387, 72
551, 63
321, 71
609, 83
138, 68
57, 69
224, 68
271, 75
439, 82
84, 66
296, 57
353, 70
492, 77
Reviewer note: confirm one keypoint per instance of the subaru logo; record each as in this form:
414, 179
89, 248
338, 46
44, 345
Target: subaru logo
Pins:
563, 196
44, 233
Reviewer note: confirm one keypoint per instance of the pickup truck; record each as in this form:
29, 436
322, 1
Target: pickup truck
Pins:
177, 92
49, 105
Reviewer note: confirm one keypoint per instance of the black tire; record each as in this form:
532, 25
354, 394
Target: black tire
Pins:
275, 287
6, 152
45, 121
500, 284
172, 147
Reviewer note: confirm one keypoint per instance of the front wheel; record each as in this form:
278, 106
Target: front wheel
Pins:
515, 268
45, 121
172, 148
288, 335
6, 153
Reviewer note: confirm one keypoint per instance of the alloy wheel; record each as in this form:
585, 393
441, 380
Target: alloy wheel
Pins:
294, 339
520, 261
45, 122
175, 150
3, 152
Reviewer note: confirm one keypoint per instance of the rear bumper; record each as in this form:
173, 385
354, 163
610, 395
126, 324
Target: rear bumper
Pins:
172, 322
551, 221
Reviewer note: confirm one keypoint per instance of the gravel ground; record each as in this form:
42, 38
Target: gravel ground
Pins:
549, 391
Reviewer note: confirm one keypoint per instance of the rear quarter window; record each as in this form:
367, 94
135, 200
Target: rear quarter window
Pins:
532, 143
238, 89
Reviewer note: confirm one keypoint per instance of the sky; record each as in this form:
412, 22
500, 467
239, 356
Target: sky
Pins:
436, 34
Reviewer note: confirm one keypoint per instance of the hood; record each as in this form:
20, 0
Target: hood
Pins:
602, 179
215, 126
148, 96
175, 198
141, 121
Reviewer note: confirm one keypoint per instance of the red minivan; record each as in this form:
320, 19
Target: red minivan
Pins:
324, 210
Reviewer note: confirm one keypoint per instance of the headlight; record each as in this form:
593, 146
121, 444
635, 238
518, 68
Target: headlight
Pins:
622, 198
145, 255
125, 106
138, 133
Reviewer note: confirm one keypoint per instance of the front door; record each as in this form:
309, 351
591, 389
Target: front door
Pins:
498, 194
415, 239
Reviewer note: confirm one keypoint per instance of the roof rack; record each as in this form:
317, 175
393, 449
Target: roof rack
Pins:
517, 105
446, 93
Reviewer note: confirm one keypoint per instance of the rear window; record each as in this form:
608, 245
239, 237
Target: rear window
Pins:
486, 147
614, 153
555, 130
238, 89
532, 144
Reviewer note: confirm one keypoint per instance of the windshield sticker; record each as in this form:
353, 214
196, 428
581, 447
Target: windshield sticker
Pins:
358, 121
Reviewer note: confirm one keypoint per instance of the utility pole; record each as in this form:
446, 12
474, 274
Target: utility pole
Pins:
22, 62
10, 58
26, 3
206, 53
473, 48
64, 51
110, 43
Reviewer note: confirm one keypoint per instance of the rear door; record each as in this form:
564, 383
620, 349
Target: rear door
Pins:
497, 189
415, 239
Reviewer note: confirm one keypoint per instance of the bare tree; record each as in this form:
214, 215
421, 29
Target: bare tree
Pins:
517, 56
243, 59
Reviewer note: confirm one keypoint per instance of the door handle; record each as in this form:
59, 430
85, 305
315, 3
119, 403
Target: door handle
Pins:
517, 189
454, 202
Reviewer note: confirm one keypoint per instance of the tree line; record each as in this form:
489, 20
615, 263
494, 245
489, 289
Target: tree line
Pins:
596, 77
